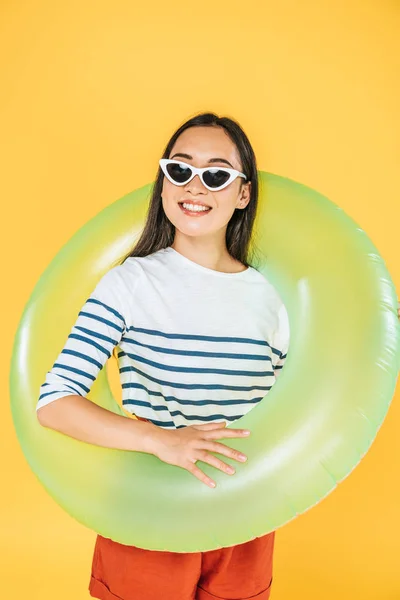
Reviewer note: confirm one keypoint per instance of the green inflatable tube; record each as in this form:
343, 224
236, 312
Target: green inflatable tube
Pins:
308, 433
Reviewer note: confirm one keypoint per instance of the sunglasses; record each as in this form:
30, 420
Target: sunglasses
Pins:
213, 178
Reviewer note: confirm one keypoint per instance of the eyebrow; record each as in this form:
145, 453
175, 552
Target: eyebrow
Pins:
212, 160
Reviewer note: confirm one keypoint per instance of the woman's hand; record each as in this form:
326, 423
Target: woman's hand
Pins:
185, 446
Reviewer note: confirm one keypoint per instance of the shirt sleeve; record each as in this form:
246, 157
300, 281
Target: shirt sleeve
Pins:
281, 341
98, 328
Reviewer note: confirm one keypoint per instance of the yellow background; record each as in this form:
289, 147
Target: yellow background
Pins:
91, 93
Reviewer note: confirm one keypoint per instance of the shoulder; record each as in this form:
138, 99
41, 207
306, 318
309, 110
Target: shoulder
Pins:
267, 290
275, 308
128, 274
118, 285
120, 275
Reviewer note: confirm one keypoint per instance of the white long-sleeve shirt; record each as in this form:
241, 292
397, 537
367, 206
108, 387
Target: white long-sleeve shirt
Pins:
194, 345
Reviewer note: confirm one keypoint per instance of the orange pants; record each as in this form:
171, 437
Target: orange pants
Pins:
121, 572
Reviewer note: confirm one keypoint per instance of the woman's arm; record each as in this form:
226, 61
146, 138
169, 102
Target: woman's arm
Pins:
62, 404
84, 420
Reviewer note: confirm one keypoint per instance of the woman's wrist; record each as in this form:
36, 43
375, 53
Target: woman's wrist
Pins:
148, 437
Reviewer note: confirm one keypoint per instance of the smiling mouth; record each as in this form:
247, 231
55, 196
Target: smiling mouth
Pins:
196, 210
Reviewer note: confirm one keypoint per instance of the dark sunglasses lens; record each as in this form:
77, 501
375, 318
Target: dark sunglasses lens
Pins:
178, 172
216, 177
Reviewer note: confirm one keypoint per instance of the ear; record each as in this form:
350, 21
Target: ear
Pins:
244, 197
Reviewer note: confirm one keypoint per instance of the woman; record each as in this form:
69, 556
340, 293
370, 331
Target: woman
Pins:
201, 338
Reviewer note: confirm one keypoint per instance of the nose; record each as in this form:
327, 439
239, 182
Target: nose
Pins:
195, 186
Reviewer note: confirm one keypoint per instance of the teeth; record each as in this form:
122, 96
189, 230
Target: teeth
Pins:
194, 207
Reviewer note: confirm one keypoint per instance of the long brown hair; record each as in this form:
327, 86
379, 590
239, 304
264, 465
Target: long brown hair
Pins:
159, 232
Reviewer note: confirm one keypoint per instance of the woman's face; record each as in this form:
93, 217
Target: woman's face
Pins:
200, 146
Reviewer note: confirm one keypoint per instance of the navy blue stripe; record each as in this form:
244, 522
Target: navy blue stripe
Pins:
197, 353
98, 335
81, 338
89, 359
210, 402
203, 337
73, 389
209, 338
275, 351
77, 371
112, 310
57, 391
193, 369
192, 402
172, 424
283, 358
158, 408
48, 394
194, 386
66, 386
82, 313
176, 413
162, 423
86, 389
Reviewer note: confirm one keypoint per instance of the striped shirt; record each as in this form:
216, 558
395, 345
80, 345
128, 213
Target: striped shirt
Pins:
194, 345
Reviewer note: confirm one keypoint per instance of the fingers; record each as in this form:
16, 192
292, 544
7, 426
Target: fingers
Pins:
216, 462
204, 443
222, 449
226, 433
202, 476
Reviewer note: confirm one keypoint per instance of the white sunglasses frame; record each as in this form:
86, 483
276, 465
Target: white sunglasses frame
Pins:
233, 173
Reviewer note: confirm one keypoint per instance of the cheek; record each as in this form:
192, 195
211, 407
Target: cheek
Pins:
227, 201
169, 190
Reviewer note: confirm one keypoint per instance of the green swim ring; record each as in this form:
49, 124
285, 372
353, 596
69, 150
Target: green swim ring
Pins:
308, 433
